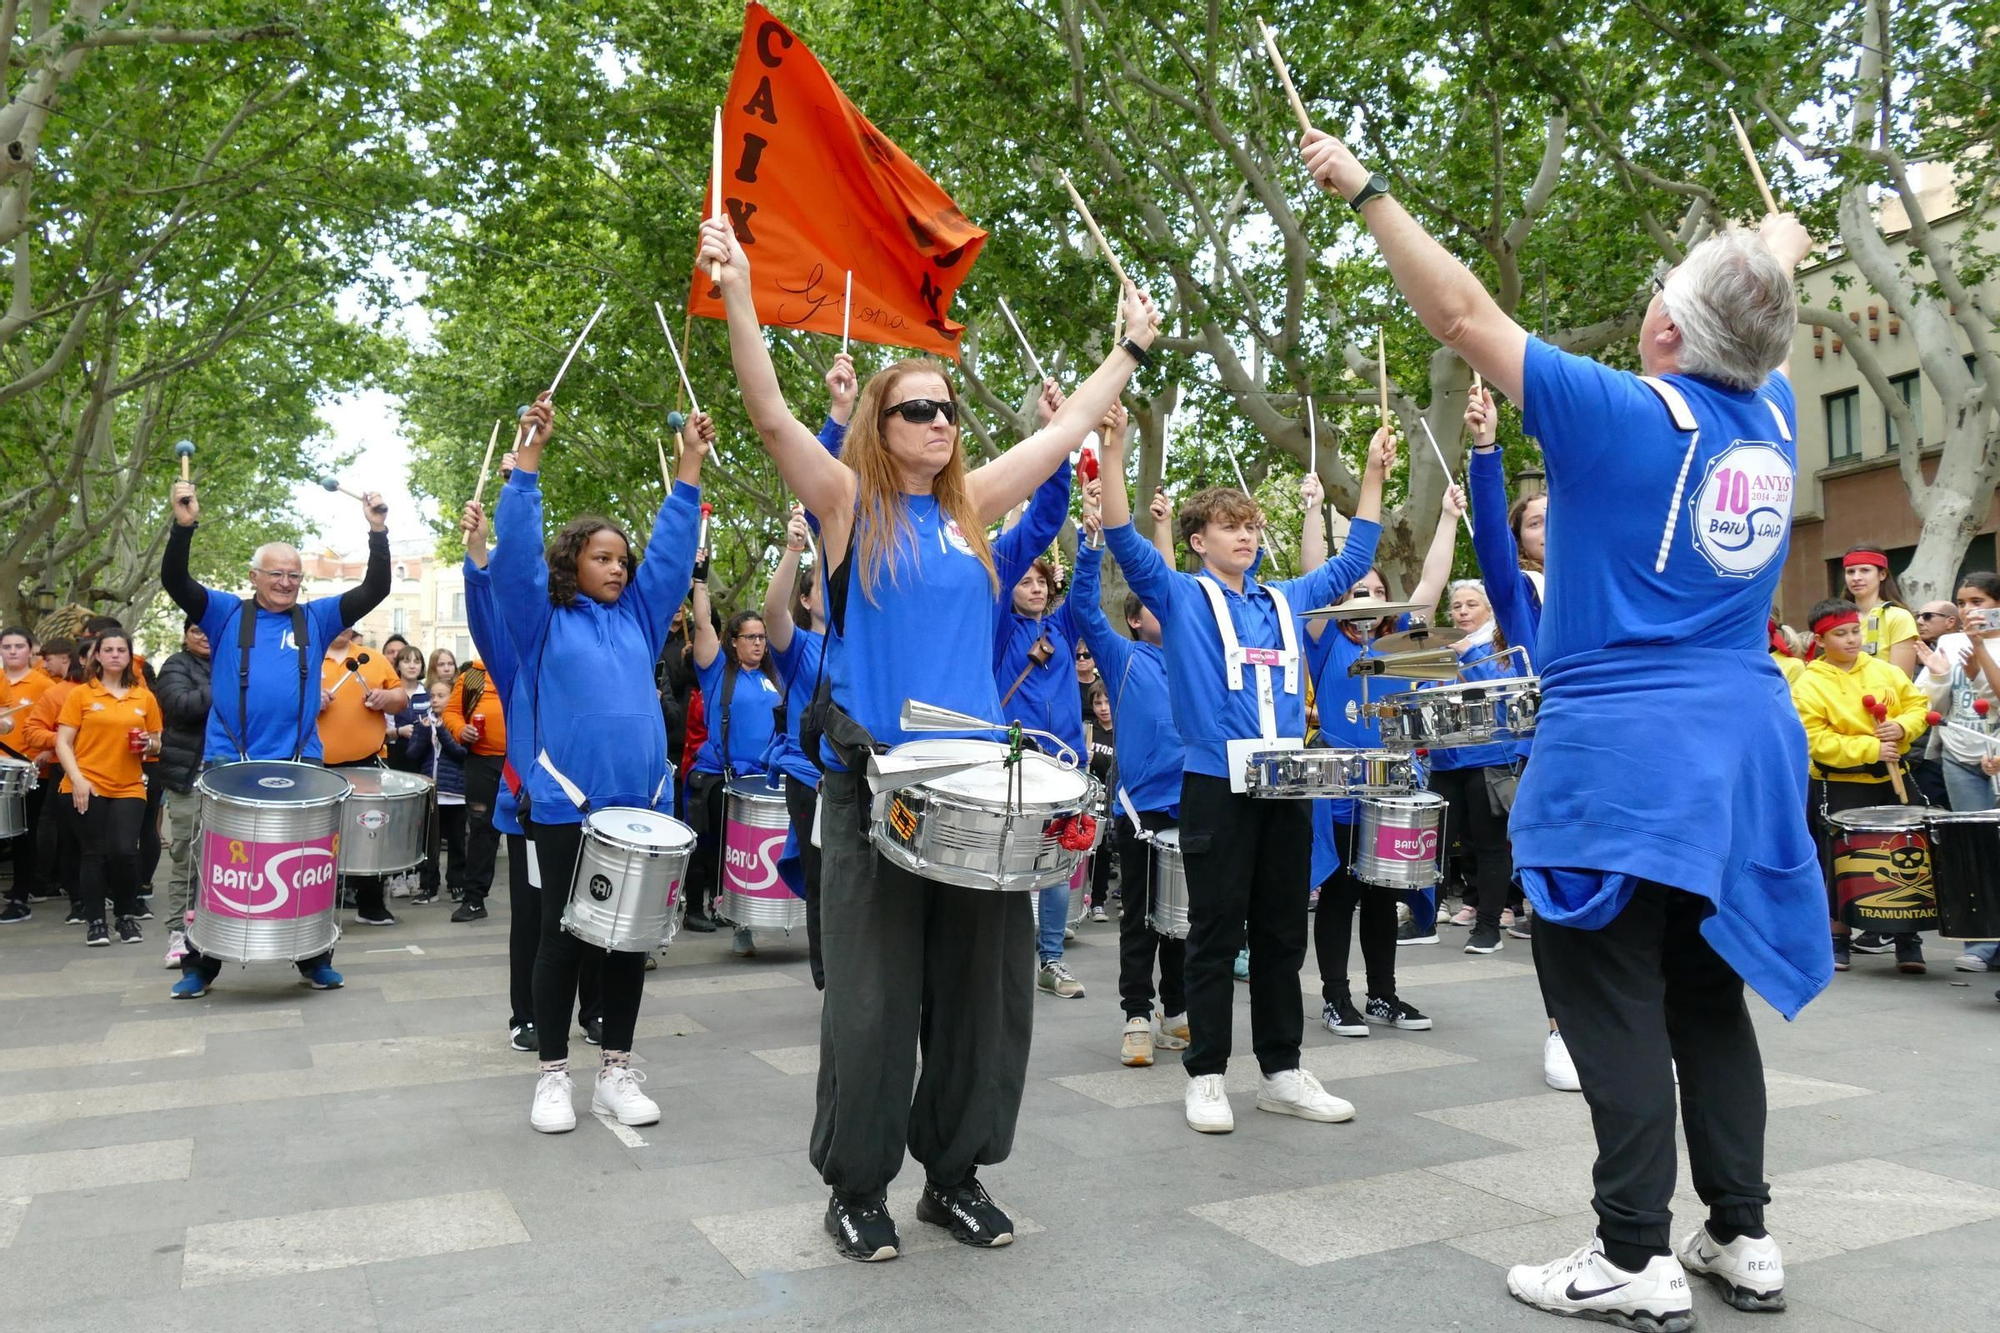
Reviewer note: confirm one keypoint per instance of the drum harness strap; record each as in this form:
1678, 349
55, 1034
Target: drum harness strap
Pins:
246, 639
1684, 420
1235, 655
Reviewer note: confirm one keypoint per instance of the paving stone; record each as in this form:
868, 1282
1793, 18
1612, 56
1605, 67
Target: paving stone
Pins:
346, 1237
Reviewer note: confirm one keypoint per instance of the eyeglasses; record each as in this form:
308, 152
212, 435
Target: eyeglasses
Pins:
753, 638
279, 575
1660, 284
923, 411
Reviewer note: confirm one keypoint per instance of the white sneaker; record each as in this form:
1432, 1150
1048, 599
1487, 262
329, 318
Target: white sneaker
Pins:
1208, 1105
1970, 962
1295, 1092
176, 948
1558, 1070
552, 1113
1586, 1285
1173, 1034
1137, 1048
618, 1095
1750, 1274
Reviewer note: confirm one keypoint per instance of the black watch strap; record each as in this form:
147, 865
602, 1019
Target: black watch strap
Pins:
1377, 184
1139, 353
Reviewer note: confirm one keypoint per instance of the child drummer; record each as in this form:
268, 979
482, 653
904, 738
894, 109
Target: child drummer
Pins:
1235, 678
1861, 715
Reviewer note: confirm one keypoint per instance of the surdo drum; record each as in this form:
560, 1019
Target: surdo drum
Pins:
988, 826
1168, 912
626, 894
1399, 841
268, 864
1882, 869
382, 823
17, 779
754, 826
1965, 872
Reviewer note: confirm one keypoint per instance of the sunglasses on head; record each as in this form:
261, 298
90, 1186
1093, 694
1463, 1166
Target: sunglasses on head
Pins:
923, 411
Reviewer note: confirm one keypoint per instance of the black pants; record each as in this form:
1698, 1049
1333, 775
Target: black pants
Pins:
524, 939
60, 855
482, 840
448, 827
1340, 898
914, 965
109, 834
1138, 943
1482, 826
1635, 999
25, 852
1100, 877
706, 798
1927, 776
801, 801
559, 955
149, 828
1247, 861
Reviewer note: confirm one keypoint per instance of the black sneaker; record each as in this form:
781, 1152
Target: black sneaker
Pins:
143, 914
423, 898
1841, 962
128, 931
96, 936
970, 1213
522, 1038
384, 918
1417, 932
1484, 939
76, 918
701, 923
593, 1031
1395, 1014
1910, 954
16, 911
472, 909
1872, 941
861, 1228
1341, 1019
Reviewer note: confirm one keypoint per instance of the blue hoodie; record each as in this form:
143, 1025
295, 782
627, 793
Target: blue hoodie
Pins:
588, 697
496, 651
1134, 672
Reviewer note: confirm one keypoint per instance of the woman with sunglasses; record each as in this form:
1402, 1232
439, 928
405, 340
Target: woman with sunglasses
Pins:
911, 588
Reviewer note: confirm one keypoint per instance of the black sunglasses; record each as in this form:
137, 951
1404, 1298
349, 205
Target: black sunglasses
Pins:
1935, 615
923, 411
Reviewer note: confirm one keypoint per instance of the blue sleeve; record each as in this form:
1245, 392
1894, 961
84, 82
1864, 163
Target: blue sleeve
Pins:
1569, 403
667, 572
1336, 576
1086, 608
1778, 390
518, 569
832, 435
482, 621
1515, 605
418, 755
217, 614
1145, 570
1016, 548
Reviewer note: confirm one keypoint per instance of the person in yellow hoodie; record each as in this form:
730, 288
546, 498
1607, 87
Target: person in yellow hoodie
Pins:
1861, 715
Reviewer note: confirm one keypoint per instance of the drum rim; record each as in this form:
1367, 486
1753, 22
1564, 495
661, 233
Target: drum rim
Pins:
1424, 797
1509, 685
999, 751
933, 796
590, 831
752, 792
1916, 815
1957, 816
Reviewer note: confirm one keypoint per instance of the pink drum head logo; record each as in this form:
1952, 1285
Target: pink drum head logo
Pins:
750, 861
1403, 844
260, 881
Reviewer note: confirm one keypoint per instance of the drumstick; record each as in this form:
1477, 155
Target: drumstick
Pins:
1750, 156
1443, 466
1034, 361
1096, 235
1893, 761
679, 365
715, 208
1284, 75
577, 346
1312, 431
487, 461
1382, 374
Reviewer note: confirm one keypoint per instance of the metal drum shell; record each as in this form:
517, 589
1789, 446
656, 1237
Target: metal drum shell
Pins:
382, 824
642, 911
1167, 913
1965, 872
970, 840
757, 805
266, 820
17, 779
1469, 712
1321, 772
1417, 812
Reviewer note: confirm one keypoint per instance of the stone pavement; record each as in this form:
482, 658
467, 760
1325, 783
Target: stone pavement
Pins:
275, 1157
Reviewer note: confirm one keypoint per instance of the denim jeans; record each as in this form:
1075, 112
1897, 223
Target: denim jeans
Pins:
1053, 907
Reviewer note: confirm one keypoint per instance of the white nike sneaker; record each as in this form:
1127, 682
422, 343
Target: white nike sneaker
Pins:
553, 1113
1558, 1070
1295, 1092
1208, 1105
1586, 1285
618, 1095
1750, 1274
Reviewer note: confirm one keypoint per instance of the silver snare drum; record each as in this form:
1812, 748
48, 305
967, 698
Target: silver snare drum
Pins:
382, 821
1305, 774
1168, 913
1399, 841
626, 893
966, 829
1471, 712
17, 779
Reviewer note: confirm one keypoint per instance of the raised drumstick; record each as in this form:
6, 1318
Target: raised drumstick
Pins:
1750, 156
1284, 75
186, 451
487, 462
1894, 763
1096, 235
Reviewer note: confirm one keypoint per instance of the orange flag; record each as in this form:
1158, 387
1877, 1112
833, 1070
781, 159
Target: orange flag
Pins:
814, 191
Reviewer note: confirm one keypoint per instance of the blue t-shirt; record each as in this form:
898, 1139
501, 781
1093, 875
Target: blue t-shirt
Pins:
749, 710
799, 667
1150, 753
278, 727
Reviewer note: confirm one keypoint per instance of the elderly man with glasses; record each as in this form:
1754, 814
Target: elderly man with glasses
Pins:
270, 711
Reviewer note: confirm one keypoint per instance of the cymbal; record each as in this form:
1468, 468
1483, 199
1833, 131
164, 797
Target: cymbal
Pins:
1415, 640
1362, 608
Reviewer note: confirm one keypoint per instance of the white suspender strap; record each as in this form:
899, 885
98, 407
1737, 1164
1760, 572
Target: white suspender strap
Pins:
1232, 651
1288, 635
1677, 408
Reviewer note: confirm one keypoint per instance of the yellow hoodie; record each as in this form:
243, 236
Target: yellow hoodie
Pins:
1840, 731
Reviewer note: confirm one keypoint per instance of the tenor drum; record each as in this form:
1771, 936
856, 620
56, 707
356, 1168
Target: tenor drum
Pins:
269, 861
626, 893
1315, 773
1471, 712
1168, 912
17, 779
1965, 872
1882, 869
1399, 841
990, 826
754, 826
382, 824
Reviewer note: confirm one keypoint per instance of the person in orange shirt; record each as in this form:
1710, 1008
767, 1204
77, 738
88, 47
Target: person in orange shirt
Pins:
474, 716
354, 708
22, 683
107, 727
57, 853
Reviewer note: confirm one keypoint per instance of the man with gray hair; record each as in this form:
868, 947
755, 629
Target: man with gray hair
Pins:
1660, 827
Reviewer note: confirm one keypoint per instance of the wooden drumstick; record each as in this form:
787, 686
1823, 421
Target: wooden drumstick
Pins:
1096, 235
487, 462
1894, 761
1284, 75
1750, 156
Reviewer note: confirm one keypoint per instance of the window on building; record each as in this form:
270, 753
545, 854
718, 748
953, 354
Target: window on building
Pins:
458, 608
1909, 388
399, 621
464, 651
1843, 425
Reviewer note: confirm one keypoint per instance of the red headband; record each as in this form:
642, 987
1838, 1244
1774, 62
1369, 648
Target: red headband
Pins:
1834, 620
1875, 558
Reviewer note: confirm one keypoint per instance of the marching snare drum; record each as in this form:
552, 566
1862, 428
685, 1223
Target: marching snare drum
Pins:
382, 823
1965, 872
1882, 869
754, 826
1471, 712
626, 893
17, 779
269, 861
1399, 841
1168, 912
1315, 773
968, 828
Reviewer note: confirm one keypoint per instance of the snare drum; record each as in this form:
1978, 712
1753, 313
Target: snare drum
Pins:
1882, 869
268, 863
17, 779
1965, 871
1471, 712
1316, 773
1168, 912
967, 828
1398, 841
382, 822
754, 826
626, 893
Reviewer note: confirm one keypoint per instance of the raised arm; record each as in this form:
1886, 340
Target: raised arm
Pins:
778, 624
1436, 573
1336, 576
661, 583
1149, 574
1016, 548
1515, 605
175, 581
520, 570
1312, 534
706, 644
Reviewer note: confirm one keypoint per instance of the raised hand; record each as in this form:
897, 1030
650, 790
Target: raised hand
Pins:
1482, 418
1142, 317
1333, 167
797, 533
1114, 422
842, 387
1161, 508
716, 243
472, 531
375, 511
1382, 451
1312, 490
1050, 402
700, 433
187, 509
1453, 503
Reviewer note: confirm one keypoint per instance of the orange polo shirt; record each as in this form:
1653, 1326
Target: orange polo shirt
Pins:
348, 728
103, 723
38, 737
492, 720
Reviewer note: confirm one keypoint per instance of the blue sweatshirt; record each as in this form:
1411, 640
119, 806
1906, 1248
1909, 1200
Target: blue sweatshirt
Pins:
1206, 711
1134, 672
799, 667
589, 698
496, 651
1495, 754
750, 709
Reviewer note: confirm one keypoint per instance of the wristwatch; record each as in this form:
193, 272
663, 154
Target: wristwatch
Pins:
1377, 184
1139, 353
